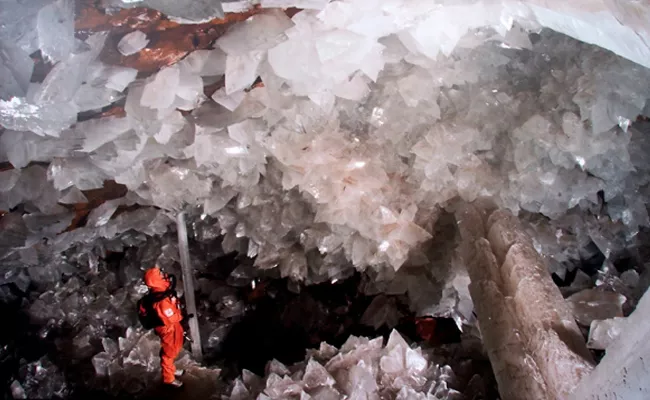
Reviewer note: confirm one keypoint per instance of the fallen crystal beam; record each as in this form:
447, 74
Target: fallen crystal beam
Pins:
516, 373
188, 286
535, 347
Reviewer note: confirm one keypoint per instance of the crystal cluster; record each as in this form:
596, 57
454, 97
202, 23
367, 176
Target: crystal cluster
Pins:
132, 363
365, 119
361, 369
41, 379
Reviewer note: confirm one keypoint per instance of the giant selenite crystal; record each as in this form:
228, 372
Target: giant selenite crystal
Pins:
16, 69
55, 26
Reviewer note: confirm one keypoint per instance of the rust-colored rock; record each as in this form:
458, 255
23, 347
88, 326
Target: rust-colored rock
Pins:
437, 331
91, 19
169, 41
115, 111
111, 190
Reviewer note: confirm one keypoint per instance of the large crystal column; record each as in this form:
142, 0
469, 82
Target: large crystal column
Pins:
188, 285
517, 374
552, 334
529, 332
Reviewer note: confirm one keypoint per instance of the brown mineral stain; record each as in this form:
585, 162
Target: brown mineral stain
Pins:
96, 197
169, 41
115, 111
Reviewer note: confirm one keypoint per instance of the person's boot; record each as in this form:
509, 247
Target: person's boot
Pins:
179, 373
175, 384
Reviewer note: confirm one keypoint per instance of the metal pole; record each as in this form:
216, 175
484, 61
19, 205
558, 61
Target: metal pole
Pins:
188, 285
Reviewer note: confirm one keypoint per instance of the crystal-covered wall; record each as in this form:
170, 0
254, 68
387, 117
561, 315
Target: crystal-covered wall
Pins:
320, 141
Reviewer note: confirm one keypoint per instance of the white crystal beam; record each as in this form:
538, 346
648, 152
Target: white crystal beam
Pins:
188, 285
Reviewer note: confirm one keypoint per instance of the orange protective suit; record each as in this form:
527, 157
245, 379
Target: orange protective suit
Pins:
171, 334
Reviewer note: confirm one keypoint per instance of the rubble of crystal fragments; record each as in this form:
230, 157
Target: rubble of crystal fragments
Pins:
320, 143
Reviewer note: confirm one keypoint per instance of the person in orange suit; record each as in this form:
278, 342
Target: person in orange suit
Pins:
171, 332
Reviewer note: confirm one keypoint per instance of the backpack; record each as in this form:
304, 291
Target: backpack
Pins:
147, 315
